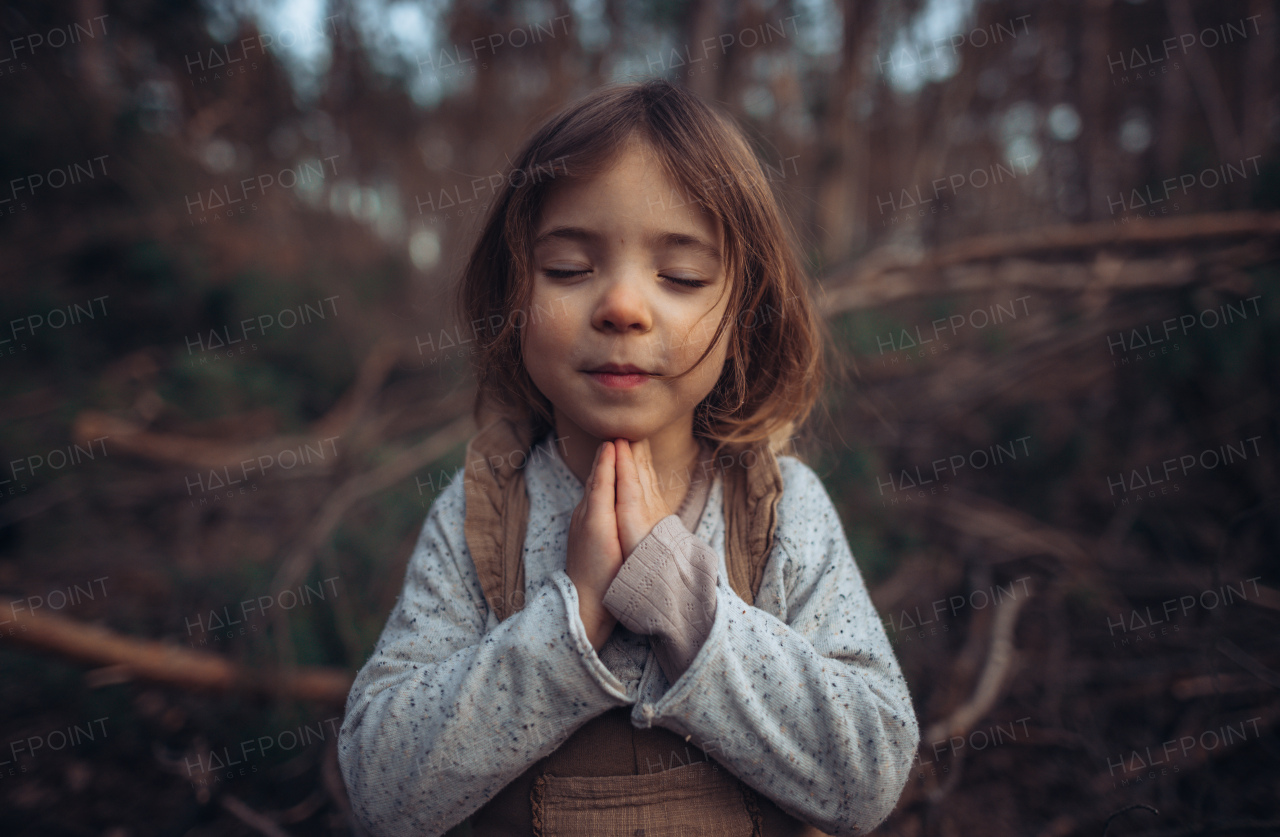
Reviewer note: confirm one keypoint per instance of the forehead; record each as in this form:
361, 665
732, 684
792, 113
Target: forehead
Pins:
634, 194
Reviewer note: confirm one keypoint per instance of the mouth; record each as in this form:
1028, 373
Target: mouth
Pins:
619, 376
619, 369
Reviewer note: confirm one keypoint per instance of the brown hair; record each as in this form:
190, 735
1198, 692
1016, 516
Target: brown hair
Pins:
774, 365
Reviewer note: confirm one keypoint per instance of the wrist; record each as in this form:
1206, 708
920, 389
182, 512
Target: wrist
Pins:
597, 622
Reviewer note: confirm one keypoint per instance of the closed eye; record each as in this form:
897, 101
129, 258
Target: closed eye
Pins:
554, 273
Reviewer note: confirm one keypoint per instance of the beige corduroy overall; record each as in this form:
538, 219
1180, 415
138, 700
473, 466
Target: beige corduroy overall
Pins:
599, 782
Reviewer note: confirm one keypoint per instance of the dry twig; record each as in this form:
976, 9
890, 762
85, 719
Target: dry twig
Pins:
133, 438
302, 556
990, 262
162, 662
1000, 659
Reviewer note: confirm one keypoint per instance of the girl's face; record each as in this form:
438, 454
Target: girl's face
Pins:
627, 271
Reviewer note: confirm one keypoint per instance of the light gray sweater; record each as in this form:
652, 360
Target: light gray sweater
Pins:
800, 696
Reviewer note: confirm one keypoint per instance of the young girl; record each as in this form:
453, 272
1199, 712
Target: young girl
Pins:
633, 615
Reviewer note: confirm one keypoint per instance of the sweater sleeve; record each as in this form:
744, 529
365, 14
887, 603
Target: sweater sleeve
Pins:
446, 713
667, 588
801, 697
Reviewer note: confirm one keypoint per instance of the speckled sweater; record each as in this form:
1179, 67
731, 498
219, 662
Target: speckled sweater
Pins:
799, 696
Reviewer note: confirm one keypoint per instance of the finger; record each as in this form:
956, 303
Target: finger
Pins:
643, 456
604, 491
595, 463
627, 475
646, 476
646, 459
589, 484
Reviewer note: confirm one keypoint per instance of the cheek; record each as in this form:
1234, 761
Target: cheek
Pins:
692, 336
704, 378
544, 347
538, 337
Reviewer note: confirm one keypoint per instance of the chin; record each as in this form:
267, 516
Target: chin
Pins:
616, 430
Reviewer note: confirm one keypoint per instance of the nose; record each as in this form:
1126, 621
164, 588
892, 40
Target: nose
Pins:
622, 306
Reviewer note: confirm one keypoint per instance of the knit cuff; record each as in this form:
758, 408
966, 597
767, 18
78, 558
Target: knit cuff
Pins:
667, 588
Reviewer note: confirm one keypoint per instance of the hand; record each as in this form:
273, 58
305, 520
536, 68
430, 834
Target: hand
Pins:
594, 554
640, 504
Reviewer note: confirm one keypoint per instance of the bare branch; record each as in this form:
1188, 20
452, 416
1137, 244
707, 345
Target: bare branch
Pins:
163, 662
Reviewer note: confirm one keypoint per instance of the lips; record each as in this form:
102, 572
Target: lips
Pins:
620, 369
619, 376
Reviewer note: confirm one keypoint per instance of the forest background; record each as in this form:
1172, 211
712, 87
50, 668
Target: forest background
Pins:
1044, 235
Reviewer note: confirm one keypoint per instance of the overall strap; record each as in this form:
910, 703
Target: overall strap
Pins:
752, 489
497, 511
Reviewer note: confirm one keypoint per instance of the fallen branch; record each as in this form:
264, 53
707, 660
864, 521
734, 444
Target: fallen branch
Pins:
1012, 532
163, 662
403, 463
302, 556
991, 683
133, 438
1059, 238
1002, 261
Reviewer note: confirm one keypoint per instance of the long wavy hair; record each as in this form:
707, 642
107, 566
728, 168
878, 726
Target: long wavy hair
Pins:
774, 367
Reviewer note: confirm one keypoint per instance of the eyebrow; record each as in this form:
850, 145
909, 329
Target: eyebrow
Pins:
662, 239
